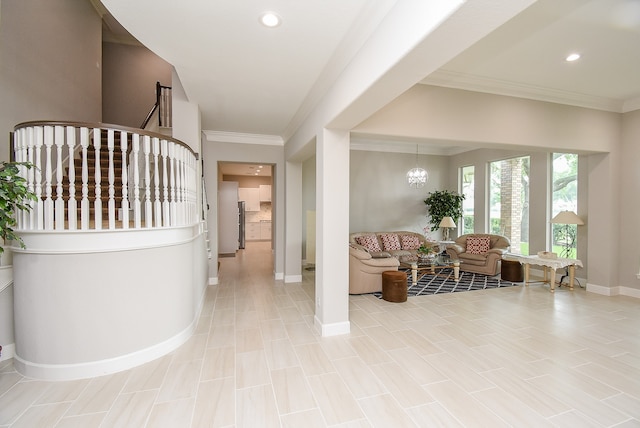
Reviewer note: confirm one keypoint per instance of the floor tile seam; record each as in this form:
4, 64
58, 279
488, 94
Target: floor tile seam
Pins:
275, 396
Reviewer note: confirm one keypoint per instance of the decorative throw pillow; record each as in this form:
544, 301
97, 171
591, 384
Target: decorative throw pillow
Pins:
370, 242
410, 242
390, 241
477, 244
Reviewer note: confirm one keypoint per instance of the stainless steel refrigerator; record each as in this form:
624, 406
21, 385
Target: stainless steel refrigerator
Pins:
241, 221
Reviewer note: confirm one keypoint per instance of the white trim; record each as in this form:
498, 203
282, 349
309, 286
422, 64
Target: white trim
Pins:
613, 291
631, 292
8, 351
279, 276
242, 138
469, 82
213, 280
292, 278
334, 329
104, 241
6, 277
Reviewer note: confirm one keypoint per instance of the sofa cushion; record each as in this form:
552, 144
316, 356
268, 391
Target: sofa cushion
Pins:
370, 242
409, 242
478, 244
390, 241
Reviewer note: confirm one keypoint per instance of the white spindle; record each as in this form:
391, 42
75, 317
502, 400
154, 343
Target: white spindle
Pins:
165, 186
157, 207
20, 156
72, 205
178, 185
39, 209
136, 182
111, 203
97, 204
28, 141
172, 184
84, 202
124, 205
48, 202
146, 149
59, 202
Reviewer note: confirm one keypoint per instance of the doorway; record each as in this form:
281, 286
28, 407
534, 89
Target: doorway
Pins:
254, 182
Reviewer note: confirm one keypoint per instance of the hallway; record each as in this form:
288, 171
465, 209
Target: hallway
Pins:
505, 357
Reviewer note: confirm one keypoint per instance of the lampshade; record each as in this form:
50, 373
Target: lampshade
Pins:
447, 222
567, 217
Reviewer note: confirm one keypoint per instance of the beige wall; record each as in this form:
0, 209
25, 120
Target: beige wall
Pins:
629, 225
380, 198
50, 63
444, 114
129, 81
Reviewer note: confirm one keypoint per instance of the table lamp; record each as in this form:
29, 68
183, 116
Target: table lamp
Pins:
567, 218
447, 223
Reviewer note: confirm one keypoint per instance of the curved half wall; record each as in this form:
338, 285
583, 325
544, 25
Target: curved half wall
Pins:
98, 302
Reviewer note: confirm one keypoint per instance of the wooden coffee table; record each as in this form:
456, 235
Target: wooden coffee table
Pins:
432, 266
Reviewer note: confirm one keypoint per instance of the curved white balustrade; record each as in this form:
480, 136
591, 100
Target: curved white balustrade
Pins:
158, 180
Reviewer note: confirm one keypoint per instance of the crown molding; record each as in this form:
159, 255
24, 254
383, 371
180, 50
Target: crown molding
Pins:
242, 138
456, 80
631, 105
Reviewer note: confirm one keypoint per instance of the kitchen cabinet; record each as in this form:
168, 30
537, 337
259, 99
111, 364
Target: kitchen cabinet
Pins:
251, 197
253, 231
265, 230
265, 192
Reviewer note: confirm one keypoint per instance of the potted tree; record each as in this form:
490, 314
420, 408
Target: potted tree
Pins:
14, 196
443, 203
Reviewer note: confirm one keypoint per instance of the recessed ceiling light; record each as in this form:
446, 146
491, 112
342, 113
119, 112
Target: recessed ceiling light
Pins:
572, 57
270, 19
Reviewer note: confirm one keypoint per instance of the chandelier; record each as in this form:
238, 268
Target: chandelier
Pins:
417, 177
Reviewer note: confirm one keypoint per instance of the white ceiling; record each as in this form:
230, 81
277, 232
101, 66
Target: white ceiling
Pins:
250, 79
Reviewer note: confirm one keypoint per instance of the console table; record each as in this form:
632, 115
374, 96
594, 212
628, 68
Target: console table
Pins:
549, 266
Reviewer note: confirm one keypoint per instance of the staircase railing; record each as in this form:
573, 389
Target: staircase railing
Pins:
97, 176
162, 106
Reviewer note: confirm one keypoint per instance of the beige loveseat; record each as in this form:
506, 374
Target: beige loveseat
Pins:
479, 253
371, 253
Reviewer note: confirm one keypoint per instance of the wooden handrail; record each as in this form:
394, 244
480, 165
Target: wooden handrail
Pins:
103, 126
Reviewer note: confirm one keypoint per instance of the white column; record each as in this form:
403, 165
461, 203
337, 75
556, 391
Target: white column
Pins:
332, 232
293, 223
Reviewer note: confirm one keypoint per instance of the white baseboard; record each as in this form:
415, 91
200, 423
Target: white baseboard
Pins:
279, 276
613, 291
292, 278
8, 351
213, 280
334, 329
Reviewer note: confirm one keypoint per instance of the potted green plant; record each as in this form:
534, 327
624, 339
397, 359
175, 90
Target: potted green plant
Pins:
14, 196
426, 252
443, 203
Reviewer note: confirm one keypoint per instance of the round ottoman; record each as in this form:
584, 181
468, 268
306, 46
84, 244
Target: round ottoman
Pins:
511, 271
394, 286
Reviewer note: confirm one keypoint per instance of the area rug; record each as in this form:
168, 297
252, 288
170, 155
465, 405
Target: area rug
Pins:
444, 282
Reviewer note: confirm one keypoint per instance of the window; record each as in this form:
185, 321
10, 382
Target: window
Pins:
509, 201
467, 183
564, 196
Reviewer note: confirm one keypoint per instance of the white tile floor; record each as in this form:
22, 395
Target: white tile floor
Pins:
508, 357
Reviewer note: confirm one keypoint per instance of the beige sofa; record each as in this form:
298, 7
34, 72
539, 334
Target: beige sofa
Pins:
388, 244
475, 256
371, 253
